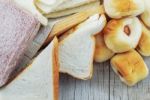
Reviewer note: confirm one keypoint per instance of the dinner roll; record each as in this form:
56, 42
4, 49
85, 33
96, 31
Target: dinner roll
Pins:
121, 35
123, 8
144, 43
146, 15
130, 67
102, 53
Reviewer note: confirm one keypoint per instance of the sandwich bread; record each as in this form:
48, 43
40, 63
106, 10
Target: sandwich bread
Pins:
39, 81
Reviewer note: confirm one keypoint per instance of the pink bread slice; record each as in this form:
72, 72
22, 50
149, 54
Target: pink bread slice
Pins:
17, 29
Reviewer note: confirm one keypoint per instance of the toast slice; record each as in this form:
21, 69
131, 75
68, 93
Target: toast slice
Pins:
39, 81
76, 51
71, 21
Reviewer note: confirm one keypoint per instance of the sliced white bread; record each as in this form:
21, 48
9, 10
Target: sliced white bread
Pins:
47, 6
70, 11
66, 23
59, 5
76, 51
39, 81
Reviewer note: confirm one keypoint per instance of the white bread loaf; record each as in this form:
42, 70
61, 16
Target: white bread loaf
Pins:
122, 35
39, 81
76, 51
123, 8
130, 67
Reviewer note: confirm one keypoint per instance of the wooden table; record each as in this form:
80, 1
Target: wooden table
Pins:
104, 85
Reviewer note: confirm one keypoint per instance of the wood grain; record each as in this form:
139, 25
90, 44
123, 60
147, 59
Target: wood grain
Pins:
105, 85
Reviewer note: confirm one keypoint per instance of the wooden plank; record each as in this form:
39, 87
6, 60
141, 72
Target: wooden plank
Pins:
95, 89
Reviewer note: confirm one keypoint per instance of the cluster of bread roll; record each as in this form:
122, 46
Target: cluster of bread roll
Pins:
125, 39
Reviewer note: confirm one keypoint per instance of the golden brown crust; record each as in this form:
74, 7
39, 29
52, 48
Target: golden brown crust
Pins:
112, 27
56, 69
144, 43
102, 53
130, 66
124, 5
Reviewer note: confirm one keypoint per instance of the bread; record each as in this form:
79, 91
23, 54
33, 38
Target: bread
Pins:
74, 10
71, 21
76, 51
146, 15
47, 6
29, 5
102, 53
69, 4
17, 30
123, 8
130, 67
122, 35
39, 81
144, 43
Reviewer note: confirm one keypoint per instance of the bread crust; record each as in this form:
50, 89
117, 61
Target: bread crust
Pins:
55, 70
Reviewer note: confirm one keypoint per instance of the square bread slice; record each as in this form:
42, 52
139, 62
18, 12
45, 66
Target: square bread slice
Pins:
17, 30
39, 81
76, 51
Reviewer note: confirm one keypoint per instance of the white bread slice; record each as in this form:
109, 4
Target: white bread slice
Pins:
39, 81
59, 5
68, 22
47, 6
29, 5
76, 51
72, 4
74, 10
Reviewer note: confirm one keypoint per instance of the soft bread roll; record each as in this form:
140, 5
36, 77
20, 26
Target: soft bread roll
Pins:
144, 43
76, 51
102, 53
74, 10
123, 34
130, 67
71, 21
39, 81
29, 5
146, 15
123, 8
